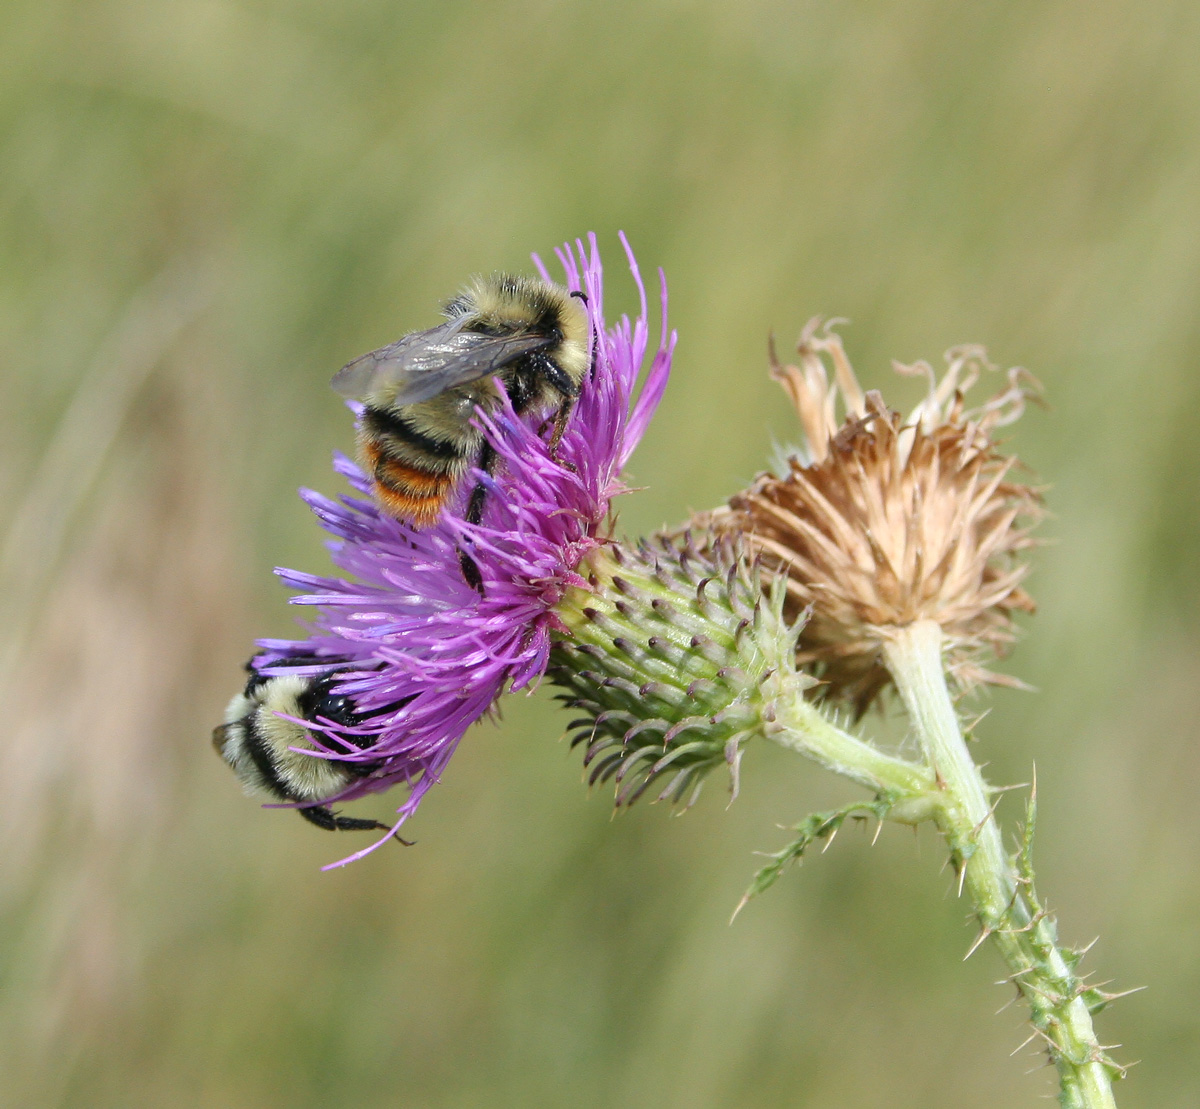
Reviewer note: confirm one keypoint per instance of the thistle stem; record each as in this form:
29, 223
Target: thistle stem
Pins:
801, 727
1003, 896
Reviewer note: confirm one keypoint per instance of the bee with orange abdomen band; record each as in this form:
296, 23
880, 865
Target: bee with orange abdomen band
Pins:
416, 439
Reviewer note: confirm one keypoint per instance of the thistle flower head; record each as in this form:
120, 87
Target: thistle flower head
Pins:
882, 521
423, 654
675, 659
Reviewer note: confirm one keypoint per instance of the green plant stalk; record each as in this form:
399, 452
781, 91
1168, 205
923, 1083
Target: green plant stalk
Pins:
1002, 893
801, 727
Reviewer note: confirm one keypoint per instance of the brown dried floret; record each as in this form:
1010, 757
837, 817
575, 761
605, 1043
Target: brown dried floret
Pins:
889, 520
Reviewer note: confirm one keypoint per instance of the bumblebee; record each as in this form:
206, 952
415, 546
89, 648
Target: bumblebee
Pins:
267, 751
415, 437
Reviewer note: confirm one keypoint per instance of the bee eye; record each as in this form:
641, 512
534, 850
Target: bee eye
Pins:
339, 709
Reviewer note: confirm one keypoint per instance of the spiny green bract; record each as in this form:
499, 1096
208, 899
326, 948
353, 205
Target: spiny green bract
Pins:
668, 653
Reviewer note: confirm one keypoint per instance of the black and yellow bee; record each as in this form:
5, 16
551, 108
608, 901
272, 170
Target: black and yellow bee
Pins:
267, 752
419, 393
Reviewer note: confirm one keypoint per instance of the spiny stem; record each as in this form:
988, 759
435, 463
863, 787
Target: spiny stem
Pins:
1002, 892
800, 726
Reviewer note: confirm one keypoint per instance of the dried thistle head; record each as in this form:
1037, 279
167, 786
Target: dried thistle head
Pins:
886, 521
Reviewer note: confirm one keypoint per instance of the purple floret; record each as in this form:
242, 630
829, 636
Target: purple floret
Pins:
426, 655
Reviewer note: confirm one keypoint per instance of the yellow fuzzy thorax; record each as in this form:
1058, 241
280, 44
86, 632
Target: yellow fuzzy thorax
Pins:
503, 300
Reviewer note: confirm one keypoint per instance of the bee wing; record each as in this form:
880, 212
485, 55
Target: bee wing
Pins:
426, 363
410, 354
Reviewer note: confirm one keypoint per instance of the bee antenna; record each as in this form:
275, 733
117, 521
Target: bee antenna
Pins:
582, 295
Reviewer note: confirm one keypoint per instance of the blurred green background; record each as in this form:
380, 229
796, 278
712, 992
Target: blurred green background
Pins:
207, 206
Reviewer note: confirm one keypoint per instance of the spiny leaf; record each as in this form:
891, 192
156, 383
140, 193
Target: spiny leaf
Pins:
817, 826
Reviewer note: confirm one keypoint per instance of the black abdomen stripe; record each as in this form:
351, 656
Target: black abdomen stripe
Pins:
383, 423
256, 744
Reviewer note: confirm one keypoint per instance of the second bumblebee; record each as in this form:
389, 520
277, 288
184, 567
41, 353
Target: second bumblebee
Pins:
273, 754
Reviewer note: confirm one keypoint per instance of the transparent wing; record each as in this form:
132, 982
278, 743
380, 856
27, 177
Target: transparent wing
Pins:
426, 363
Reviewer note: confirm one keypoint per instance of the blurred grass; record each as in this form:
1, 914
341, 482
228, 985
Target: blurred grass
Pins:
1019, 174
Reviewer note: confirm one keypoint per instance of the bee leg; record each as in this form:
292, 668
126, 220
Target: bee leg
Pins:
470, 572
474, 515
566, 388
560, 427
560, 424
324, 817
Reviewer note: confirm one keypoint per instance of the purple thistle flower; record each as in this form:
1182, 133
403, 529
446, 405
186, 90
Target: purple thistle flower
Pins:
423, 654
